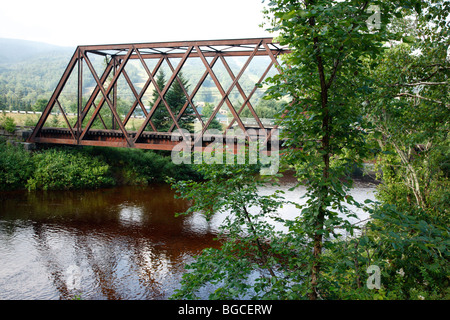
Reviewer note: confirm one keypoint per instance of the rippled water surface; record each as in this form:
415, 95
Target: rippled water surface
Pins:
120, 243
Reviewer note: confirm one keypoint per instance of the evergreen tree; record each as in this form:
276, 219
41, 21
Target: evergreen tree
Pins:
3, 103
176, 100
160, 115
206, 113
40, 105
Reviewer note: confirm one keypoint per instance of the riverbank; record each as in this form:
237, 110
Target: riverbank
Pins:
68, 168
74, 167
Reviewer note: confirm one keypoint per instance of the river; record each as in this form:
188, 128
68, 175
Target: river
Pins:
118, 243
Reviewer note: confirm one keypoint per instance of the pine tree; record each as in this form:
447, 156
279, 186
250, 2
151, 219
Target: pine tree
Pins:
176, 99
160, 115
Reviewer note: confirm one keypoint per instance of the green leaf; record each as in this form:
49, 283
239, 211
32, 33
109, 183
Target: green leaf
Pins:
409, 39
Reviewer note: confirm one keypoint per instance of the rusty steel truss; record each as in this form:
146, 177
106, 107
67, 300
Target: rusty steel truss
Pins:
77, 128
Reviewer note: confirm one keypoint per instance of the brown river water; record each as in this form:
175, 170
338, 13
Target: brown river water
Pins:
118, 243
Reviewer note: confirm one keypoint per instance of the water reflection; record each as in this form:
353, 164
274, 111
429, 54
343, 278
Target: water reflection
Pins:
131, 215
120, 243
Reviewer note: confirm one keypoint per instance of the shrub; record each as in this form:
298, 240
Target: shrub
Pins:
63, 170
88, 167
8, 124
16, 166
410, 248
31, 121
140, 167
415, 251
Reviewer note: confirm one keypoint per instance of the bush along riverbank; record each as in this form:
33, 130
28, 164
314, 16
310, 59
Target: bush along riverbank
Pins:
66, 168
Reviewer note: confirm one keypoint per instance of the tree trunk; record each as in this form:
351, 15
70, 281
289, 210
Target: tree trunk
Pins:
325, 141
412, 178
318, 236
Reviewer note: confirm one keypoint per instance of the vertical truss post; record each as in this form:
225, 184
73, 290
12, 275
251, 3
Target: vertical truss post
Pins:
114, 101
80, 96
93, 95
105, 94
225, 95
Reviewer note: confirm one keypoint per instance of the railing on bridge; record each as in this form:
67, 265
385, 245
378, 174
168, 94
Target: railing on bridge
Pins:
104, 94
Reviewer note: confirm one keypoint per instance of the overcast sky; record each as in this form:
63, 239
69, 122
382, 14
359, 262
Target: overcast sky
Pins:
80, 22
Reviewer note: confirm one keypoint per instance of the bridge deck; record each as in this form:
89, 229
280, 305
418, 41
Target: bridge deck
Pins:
148, 140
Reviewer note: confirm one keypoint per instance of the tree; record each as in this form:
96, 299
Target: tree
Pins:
331, 79
330, 40
244, 234
3, 102
159, 118
176, 98
206, 113
40, 105
410, 112
412, 119
269, 109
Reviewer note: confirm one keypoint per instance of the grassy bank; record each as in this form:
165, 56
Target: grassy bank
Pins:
65, 168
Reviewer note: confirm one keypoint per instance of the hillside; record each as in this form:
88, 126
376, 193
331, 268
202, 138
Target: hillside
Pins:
15, 50
29, 71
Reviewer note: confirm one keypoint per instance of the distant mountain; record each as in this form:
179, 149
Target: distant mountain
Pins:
29, 71
15, 50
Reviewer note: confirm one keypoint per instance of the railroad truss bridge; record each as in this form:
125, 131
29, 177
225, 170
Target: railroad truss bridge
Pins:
91, 103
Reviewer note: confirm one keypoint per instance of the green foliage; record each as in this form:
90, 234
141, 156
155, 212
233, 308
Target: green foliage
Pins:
409, 116
28, 74
40, 105
54, 121
160, 116
412, 251
31, 121
16, 166
409, 113
140, 167
63, 170
333, 72
245, 250
270, 109
255, 261
207, 111
7, 123
176, 99
324, 78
